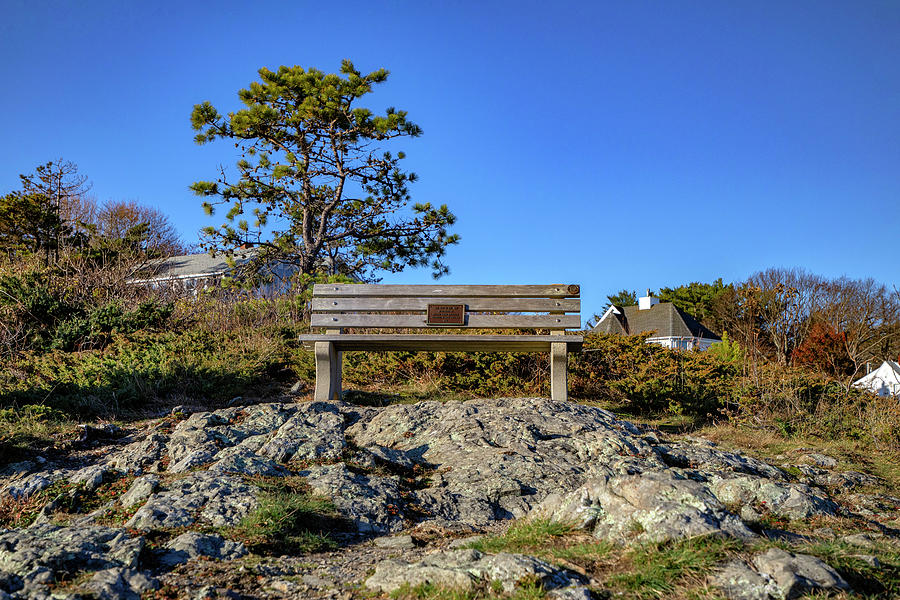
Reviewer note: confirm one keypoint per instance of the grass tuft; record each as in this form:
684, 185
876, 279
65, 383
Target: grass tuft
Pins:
658, 569
29, 429
525, 535
528, 589
289, 519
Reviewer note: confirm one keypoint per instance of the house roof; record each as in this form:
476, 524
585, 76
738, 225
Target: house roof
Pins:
190, 266
661, 320
887, 374
613, 321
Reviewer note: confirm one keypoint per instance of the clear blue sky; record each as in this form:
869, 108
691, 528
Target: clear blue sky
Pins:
612, 144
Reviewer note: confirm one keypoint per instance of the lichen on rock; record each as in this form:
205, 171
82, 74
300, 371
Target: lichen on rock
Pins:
464, 569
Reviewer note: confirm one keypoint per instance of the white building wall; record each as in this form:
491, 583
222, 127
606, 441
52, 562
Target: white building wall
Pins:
884, 381
683, 343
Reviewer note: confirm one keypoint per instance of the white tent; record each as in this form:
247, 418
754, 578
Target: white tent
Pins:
884, 381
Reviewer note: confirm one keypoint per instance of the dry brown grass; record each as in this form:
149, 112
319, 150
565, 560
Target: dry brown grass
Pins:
855, 455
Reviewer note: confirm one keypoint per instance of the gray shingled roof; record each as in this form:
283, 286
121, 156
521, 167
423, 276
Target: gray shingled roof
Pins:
613, 323
661, 320
190, 266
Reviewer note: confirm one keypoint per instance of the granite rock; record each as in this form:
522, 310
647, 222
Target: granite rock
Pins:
464, 569
651, 506
777, 574
190, 545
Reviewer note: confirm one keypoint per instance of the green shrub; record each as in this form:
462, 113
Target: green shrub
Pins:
727, 351
29, 304
28, 427
96, 327
650, 378
143, 366
48, 317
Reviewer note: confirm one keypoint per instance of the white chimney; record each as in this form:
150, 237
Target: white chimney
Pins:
647, 302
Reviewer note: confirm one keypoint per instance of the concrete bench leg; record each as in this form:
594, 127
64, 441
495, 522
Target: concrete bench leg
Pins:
336, 362
328, 372
559, 389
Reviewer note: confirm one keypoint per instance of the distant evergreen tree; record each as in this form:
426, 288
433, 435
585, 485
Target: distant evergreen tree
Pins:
621, 298
58, 188
698, 300
28, 224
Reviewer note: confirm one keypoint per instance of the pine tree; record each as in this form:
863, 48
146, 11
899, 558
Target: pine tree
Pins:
314, 187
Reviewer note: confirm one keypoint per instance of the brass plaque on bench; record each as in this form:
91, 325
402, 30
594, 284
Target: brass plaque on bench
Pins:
446, 314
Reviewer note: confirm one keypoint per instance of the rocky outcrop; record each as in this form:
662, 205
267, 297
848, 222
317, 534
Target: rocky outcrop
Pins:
371, 503
700, 454
120, 584
473, 462
26, 485
449, 466
204, 498
141, 489
67, 549
497, 459
847, 480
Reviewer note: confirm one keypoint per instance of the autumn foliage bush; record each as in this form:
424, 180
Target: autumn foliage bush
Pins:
824, 349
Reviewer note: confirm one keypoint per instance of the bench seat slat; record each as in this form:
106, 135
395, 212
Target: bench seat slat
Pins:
472, 321
375, 304
445, 343
430, 291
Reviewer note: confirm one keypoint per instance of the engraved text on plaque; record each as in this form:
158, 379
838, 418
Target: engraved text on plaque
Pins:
446, 314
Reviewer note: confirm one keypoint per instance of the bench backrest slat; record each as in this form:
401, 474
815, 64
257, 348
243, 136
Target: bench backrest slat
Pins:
426, 291
373, 304
472, 321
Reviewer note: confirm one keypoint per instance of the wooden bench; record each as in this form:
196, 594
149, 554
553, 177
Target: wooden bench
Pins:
442, 308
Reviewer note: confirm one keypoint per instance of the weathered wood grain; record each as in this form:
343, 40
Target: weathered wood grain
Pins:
446, 343
387, 304
500, 291
379, 321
